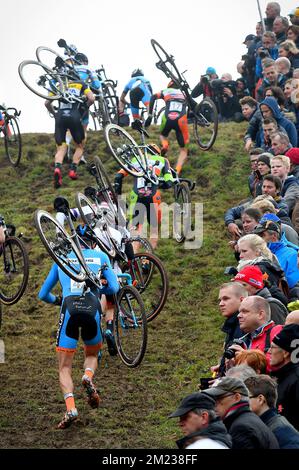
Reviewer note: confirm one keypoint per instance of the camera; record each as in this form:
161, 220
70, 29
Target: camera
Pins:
230, 271
230, 353
263, 53
218, 86
205, 78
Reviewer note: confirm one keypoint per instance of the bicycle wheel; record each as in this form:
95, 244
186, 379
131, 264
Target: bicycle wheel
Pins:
47, 56
205, 123
146, 246
12, 140
14, 272
93, 121
182, 212
95, 219
105, 188
125, 150
40, 79
150, 279
166, 63
130, 326
111, 101
159, 115
60, 246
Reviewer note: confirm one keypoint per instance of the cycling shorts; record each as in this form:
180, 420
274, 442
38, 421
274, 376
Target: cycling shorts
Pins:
136, 95
69, 119
177, 123
148, 206
80, 313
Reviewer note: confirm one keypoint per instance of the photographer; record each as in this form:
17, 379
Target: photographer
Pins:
204, 86
227, 100
268, 50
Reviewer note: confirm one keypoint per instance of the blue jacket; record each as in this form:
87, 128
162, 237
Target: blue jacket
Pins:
258, 67
285, 433
287, 257
282, 121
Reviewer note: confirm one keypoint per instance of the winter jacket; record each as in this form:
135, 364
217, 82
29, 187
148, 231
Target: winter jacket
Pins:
290, 192
261, 339
216, 431
247, 430
235, 213
254, 126
232, 330
281, 121
278, 310
285, 433
287, 257
253, 180
288, 392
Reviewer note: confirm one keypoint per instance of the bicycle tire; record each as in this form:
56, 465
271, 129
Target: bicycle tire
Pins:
40, 52
166, 58
91, 218
15, 274
59, 244
152, 283
182, 197
112, 102
130, 328
45, 75
205, 112
12, 140
144, 242
124, 149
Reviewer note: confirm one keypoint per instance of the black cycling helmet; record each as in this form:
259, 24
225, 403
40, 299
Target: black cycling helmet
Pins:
81, 58
85, 233
137, 73
61, 204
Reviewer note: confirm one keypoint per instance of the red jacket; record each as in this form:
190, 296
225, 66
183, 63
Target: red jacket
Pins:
259, 341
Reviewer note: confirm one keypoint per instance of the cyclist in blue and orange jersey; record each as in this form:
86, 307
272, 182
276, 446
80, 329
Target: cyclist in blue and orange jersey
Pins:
145, 197
175, 118
140, 90
69, 117
79, 309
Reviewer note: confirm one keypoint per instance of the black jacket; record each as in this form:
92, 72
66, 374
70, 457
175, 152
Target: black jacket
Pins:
215, 431
232, 329
288, 392
285, 433
247, 430
278, 310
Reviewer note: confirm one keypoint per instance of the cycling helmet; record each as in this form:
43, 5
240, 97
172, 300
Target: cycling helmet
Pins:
81, 58
61, 204
85, 233
137, 73
155, 149
73, 48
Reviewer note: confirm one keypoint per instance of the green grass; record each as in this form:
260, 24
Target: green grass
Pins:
184, 341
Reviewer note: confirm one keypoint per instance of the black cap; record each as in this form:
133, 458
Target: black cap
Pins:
285, 338
267, 225
195, 400
249, 37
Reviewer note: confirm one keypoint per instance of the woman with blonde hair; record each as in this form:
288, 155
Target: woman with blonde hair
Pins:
289, 49
254, 251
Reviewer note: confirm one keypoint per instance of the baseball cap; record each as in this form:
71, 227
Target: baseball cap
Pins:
226, 386
286, 336
267, 225
195, 400
252, 275
249, 37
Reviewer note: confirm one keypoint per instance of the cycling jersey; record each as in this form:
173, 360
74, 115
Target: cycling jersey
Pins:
140, 90
77, 310
88, 76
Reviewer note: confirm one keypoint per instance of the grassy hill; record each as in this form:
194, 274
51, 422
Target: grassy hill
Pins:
184, 341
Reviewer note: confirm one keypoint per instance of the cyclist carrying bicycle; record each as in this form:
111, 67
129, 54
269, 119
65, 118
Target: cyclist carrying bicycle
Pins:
145, 197
140, 90
175, 118
69, 116
80, 309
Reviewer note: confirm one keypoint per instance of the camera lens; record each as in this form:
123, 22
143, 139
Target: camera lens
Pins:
229, 353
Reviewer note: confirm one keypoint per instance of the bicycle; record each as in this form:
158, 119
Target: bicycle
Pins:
130, 318
204, 114
11, 134
156, 113
132, 157
107, 110
14, 273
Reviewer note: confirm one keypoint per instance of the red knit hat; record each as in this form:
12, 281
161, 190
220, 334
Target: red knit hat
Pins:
293, 155
252, 275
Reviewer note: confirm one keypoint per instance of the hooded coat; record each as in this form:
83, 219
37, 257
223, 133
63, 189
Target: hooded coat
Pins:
287, 257
281, 121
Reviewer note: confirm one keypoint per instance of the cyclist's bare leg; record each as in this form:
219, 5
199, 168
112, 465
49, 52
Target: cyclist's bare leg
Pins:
78, 153
164, 145
65, 361
60, 153
183, 155
90, 366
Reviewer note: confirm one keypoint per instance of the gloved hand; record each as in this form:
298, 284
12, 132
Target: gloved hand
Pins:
58, 300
